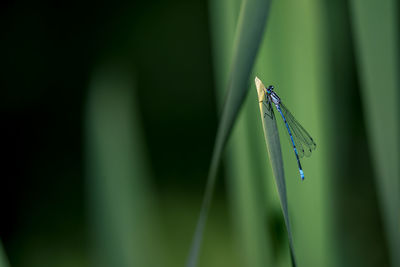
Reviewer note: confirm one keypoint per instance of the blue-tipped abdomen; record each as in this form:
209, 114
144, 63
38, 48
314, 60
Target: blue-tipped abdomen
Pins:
301, 174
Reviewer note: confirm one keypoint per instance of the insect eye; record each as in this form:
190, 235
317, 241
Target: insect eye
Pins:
271, 87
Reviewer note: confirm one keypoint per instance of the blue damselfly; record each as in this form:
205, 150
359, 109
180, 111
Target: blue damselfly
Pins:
302, 142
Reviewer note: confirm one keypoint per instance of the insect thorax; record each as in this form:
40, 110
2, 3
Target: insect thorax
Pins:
275, 98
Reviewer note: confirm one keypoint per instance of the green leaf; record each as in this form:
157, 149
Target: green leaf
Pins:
121, 209
376, 30
244, 161
3, 257
252, 19
275, 156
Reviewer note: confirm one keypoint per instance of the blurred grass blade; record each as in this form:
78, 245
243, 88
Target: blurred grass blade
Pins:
251, 215
376, 30
250, 209
275, 156
3, 257
252, 19
223, 19
120, 203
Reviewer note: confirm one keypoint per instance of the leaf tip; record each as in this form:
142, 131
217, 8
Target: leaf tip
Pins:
260, 88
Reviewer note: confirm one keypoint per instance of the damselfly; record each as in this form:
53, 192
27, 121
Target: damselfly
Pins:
302, 142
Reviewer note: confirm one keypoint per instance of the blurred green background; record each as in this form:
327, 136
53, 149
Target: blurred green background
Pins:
109, 112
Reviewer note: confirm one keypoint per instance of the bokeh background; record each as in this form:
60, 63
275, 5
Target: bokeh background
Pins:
109, 112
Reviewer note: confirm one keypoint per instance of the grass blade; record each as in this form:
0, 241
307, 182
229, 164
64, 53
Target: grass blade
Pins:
252, 19
120, 202
3, 257
243, 158
223, 19
376, 35
275, 157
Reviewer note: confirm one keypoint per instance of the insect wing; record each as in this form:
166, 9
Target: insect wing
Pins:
304, 142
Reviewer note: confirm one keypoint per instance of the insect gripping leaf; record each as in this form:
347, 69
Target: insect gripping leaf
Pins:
275, 155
